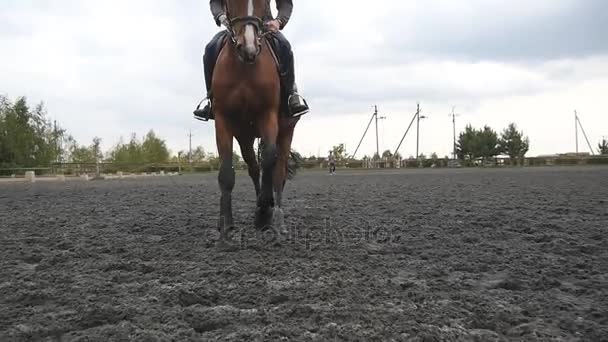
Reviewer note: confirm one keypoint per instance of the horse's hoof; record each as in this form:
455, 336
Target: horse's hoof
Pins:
226, 231
278, 221
263, 218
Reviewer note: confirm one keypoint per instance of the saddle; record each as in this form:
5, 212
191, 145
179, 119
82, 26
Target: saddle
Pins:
274, 46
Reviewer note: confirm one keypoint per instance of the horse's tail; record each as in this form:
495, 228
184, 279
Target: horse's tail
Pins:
294, 162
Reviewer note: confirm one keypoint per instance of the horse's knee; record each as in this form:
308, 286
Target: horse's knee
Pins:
226, 177
269, 158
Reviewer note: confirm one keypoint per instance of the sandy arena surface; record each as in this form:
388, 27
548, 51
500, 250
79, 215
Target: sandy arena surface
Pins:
420, 255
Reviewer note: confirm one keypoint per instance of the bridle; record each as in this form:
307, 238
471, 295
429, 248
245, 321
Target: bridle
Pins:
257, 22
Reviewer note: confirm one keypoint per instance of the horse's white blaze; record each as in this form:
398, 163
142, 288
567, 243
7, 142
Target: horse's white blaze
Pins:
249, 37
249, 32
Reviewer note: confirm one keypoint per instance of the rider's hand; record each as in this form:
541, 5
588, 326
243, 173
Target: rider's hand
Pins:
273, 25
224, 21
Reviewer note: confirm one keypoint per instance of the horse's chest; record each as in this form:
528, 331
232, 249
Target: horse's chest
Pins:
251, 97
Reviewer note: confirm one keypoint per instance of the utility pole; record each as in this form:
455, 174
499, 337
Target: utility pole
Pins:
454, 115
377, 118
576, 130
418, 117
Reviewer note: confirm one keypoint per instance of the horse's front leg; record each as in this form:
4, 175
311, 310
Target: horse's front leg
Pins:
249, 157
280, 177
263, 214
226, 177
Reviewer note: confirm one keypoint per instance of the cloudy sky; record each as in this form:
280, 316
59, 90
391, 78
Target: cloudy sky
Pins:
109, 68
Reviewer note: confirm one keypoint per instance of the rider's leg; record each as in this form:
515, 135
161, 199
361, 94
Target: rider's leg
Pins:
297, 104
212, 51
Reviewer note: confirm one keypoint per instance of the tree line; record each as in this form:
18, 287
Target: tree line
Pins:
28, 138
486, 144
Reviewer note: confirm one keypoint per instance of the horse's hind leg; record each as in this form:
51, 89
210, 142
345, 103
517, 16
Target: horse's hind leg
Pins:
280, 177
263, 214
252, 163
226, 176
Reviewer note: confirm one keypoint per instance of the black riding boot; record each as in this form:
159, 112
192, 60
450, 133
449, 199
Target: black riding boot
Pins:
296, 104
212, 50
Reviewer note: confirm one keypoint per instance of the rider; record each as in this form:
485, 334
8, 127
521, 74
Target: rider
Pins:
332, 162
296, 105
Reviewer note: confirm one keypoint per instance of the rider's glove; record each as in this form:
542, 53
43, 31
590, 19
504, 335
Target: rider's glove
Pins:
223, 19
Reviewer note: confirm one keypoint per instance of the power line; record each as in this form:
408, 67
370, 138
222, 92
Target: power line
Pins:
577, 123
405, 134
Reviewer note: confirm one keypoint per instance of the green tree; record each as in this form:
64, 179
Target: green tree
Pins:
27, 137
236, 160
467, 145
198, 155
339, 152
513, 143
154, 149
603, 147
387, 154
128, 153
488, 143
85, 154
434, 159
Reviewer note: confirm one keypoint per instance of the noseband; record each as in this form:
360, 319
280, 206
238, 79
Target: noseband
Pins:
257, 22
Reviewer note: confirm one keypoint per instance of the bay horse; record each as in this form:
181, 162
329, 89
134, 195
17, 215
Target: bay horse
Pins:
245, 95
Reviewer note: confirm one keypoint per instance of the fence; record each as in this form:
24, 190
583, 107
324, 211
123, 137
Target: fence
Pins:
110, 168
443, 163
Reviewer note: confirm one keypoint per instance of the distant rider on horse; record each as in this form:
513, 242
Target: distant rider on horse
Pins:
293, 104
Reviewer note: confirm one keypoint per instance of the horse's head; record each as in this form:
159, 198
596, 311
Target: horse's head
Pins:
246, 25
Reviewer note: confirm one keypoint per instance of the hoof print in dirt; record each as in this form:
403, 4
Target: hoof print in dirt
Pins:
502, 281
228, 246
278, 299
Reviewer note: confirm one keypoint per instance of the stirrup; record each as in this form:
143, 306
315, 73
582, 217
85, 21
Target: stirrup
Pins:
201, 114
301, 105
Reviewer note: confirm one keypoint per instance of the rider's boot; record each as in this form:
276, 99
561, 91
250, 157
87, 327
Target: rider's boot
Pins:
205, 113
212, 50
296, 104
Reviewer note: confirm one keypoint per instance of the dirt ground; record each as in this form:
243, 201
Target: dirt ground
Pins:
421, 255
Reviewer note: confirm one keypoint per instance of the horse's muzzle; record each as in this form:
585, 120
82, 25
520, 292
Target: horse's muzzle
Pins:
248, 54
